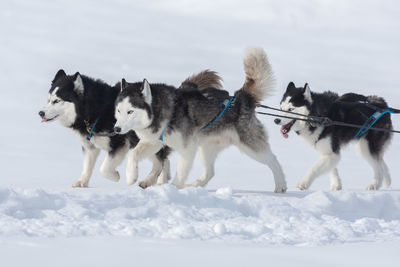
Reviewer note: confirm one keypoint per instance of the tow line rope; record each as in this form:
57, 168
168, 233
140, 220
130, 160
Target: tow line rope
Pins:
325, 121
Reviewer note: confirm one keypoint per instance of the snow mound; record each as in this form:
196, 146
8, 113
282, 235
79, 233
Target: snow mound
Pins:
295, 218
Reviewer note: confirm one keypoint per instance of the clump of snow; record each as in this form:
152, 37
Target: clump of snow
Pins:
224, 192
295, 218
220, 229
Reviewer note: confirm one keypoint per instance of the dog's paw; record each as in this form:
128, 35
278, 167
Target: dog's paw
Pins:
163, 179
178, 185
161, 182
111, 175
197, 183
144, 184
336, 187
372, 187
130, 180
115, 178
280, 188
79, 183
302, 185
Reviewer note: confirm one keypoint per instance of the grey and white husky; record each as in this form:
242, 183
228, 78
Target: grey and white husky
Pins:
187, 120
328, 141
86, 106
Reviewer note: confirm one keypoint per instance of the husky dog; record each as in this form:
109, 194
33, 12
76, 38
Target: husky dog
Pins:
191, 117
328, 140
87, 107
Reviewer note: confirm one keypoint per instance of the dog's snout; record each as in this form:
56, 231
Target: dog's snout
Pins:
41, 113
277, 121
117, 129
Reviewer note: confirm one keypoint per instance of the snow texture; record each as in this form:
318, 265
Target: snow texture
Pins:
295, 218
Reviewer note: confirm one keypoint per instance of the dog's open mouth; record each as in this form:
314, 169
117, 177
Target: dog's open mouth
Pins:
47, 120
285, 129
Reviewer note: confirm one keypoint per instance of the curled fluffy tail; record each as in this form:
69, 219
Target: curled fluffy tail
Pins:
259, 77
203, 80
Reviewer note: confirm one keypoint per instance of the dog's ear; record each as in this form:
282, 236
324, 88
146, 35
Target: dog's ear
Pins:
146, 91
307, 93
78, 83
123, 84
290, 86
59, 74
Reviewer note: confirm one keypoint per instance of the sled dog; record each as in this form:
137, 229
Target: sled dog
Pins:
86, 106
199, 118
329, 140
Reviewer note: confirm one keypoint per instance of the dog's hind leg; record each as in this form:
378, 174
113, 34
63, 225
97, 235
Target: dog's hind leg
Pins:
265, 156
90, 154
386, 174
185, 162
376, 163
111, 162
208, 154
336, 183
324, 164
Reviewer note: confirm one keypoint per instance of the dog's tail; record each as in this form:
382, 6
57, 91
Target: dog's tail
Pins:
203, 80
259, 77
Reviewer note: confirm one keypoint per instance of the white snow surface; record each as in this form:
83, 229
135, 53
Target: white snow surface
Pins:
344, 46
295, 218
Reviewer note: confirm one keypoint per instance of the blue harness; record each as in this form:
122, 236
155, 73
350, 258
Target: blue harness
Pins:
222, 112
226, 104
162, 133
90, 130
372, 120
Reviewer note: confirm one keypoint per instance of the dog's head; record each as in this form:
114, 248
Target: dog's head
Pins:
64, 93
133, 107
297, 100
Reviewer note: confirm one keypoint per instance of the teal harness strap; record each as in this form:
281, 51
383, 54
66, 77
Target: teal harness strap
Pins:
91, 130
372, 120
162, 133
219, 116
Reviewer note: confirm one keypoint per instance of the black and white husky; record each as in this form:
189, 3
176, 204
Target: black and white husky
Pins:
183, 119
87, 107
328, 141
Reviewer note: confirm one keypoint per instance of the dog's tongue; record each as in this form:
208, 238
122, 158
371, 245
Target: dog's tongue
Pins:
44, 120
285, 135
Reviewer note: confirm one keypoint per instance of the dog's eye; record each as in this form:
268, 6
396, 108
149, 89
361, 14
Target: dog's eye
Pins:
118, 111
290, 109
130, 112
56, 101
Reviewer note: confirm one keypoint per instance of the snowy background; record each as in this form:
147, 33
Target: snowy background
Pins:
333, 45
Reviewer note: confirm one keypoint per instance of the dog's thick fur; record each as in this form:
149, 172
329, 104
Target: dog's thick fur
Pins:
178, 117
328, 141
74, 99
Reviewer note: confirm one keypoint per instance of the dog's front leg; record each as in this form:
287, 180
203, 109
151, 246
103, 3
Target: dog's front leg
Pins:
324, 164
111, 162
142, 150
90, 154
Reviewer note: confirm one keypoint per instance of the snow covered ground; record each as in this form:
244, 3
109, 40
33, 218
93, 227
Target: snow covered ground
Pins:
333, 45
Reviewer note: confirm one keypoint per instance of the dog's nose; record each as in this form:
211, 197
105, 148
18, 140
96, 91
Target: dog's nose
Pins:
41, 114
277, 121
117, 129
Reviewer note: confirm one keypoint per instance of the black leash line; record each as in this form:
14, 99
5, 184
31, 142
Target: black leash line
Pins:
322, 120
